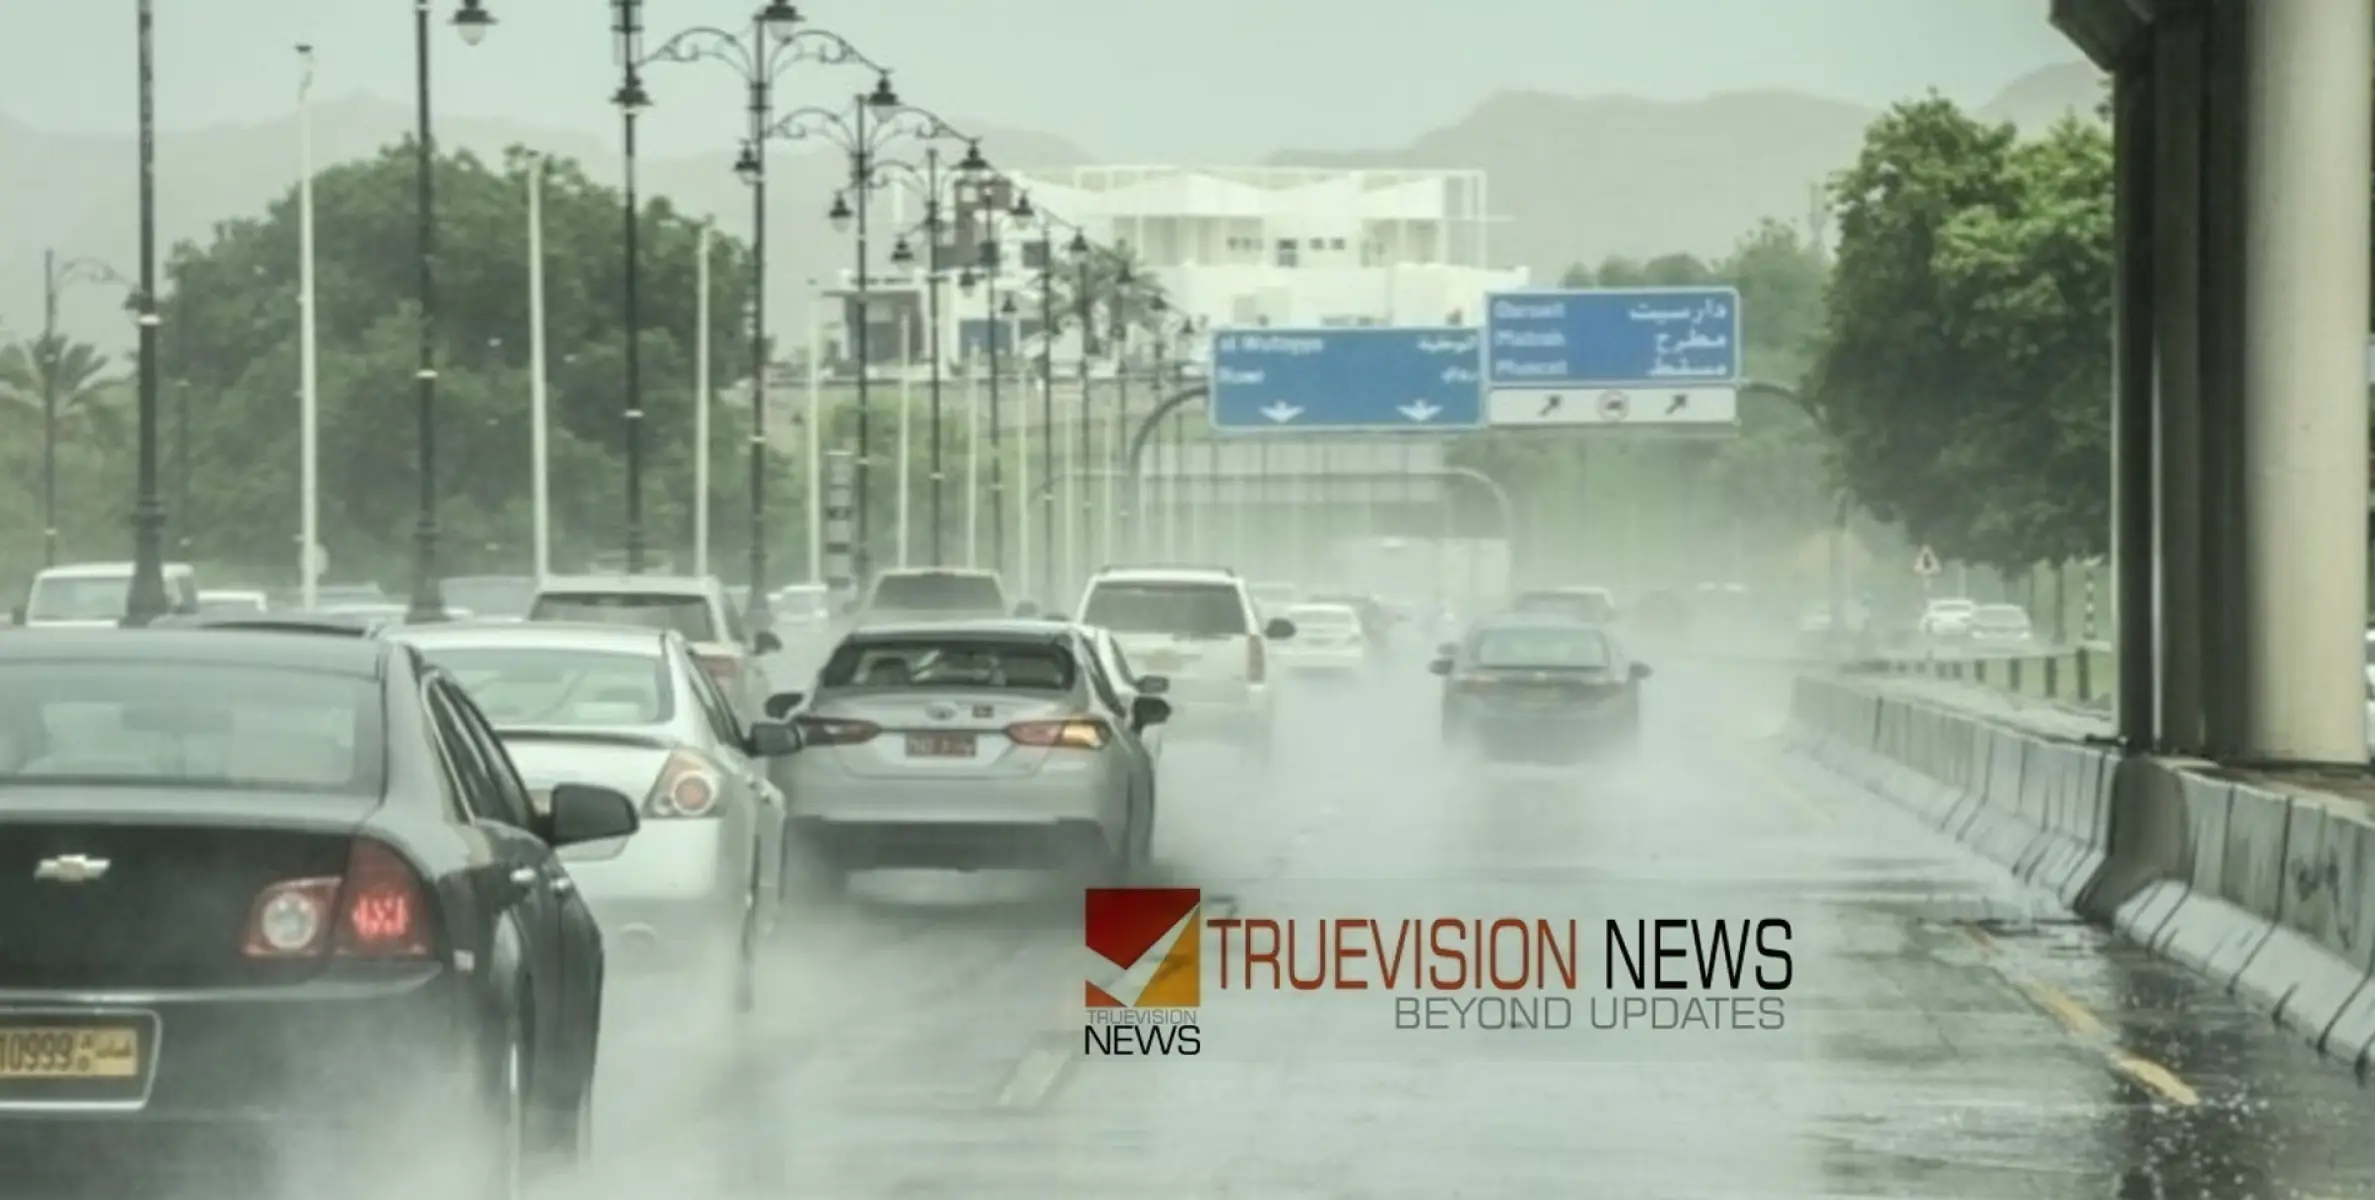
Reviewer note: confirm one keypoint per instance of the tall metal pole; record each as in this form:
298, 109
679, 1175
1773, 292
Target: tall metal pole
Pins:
428, 601
147, 600
861, 177
932, 306
539, 407
1113, 491
997, 449
46, 361
1085, 304
701, 406
309, 435
1047, 415
760, 614
631, 100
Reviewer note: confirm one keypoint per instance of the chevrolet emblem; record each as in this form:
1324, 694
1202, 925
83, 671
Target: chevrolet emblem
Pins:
70, 868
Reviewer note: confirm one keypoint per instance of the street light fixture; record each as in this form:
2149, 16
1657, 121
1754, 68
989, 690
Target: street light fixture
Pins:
902, 254
930, 182
473, 22
872, 123
776, 40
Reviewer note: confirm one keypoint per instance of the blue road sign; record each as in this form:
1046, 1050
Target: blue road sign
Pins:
1613, 338
1367, 378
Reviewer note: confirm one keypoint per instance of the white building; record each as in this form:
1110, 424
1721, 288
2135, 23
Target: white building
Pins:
1294, 246
1284, 247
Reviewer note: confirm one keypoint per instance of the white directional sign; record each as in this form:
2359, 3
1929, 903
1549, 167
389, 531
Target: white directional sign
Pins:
1925, 564
1694, 407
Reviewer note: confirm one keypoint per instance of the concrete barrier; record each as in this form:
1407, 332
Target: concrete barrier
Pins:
2264, 887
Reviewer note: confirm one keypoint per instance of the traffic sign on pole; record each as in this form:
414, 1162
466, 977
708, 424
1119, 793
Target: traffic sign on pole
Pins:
1925, 564
1673, 354
1372, 379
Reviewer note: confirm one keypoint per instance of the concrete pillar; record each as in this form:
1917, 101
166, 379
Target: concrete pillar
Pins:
2179, 115
2304, 427
2132, 419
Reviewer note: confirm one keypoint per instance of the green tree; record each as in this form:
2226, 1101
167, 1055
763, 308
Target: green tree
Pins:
1123, 294
1965, 356
232, 338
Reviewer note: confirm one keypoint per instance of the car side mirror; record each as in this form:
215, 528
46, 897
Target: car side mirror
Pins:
1279, 629
780, 705
582, 812
1149, 710
1026, 610
1639, 672
765, 642
1441, 666
1154, 685
773, 739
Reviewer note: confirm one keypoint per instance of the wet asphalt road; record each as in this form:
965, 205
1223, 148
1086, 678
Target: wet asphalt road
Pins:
1948, 1033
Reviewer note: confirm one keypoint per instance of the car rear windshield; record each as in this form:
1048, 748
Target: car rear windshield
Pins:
938, 593
2001, 618
96, 598
1589, 606
190, 725
687, 615
1324, 619
230, 606
949, 663
547, 686
1579, 648
1198, 610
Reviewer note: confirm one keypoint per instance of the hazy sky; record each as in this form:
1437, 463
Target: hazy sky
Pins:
1128, 80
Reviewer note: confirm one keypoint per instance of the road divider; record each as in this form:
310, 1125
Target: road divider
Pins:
2263, 885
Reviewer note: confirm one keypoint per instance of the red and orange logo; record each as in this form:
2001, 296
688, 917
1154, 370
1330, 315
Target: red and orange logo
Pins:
1154, 937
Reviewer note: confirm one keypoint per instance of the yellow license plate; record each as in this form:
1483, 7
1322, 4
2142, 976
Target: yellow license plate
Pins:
66, 1052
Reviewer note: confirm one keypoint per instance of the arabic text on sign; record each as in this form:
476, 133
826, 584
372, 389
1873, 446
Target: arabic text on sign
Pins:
1507, 368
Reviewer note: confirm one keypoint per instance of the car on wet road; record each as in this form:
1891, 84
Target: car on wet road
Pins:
632, 710
695, 606
1592, 605
970, 746
1539, 688
1200, 628
290, 886
1330, 639
907, 595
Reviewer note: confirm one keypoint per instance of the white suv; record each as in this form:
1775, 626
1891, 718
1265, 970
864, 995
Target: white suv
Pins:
1199, 628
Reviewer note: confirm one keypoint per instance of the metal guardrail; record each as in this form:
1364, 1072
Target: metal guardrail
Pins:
2074, 674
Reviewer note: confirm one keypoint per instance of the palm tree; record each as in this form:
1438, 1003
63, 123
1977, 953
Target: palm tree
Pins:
61, 382
1122, 291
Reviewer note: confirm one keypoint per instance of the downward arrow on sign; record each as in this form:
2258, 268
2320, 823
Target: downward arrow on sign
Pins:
1420, 411
1282, 412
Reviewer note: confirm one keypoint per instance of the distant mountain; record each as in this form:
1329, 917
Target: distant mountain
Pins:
1574, 179
1577, 179
75, 193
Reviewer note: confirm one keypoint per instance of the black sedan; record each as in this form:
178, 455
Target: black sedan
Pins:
286, 884
1540, 688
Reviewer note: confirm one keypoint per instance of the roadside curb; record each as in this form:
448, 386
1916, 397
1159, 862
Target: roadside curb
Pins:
2266, 889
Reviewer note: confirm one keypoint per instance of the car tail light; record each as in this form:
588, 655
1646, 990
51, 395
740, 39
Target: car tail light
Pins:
378, 909
1078, 733
1257, 663
828, 731
687, 787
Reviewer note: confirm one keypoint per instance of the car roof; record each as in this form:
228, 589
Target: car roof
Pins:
1538, 621
218, 593
1568, 589
579, 635
1324, 606
1205, 575
103, 570
966, 572
1015, 628
360, 657
628, 585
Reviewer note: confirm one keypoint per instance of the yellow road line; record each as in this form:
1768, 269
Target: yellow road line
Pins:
2082, 1025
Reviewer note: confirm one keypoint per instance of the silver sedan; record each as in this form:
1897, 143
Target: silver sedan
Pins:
631, 709
969, 746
